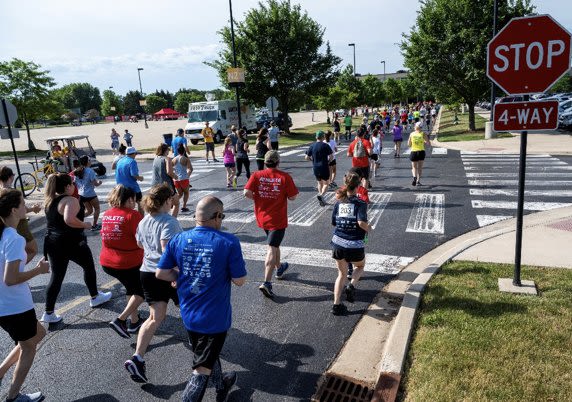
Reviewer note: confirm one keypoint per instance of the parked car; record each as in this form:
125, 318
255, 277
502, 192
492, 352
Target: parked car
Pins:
263, 118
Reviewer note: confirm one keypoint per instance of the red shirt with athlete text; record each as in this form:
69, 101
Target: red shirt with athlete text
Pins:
271, 189
363, 161
119, 248
362, 194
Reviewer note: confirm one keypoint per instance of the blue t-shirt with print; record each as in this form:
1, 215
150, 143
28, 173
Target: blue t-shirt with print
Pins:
175, 144
85, 185
207, 259
345, 217
125, 171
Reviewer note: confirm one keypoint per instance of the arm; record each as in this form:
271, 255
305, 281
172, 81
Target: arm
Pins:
239, 281
427, 140
71, 208
13, 276
365, 226
36, 208
293, 197
248, 194
113, 164
169, 166
409, 142
168, 275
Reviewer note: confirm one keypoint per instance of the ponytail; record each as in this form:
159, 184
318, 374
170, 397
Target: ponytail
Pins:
9, 199
351, 181
55, 185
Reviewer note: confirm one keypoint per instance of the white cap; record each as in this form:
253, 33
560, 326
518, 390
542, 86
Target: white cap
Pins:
130, 151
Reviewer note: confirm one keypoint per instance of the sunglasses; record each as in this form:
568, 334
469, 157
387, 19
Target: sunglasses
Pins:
216, 215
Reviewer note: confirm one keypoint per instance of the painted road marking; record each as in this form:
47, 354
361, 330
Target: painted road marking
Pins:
378, 202
530, 206
387, 151
515, 182
514, 193
440, 151
407, 152
381, 263
292, 152
428, 215
310, 211
485, 220
515, 162
541, 168
511, 174
472, 154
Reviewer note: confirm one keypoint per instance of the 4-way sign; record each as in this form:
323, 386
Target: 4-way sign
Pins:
530, 116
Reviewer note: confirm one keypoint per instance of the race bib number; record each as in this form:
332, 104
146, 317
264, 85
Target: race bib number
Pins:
346, 210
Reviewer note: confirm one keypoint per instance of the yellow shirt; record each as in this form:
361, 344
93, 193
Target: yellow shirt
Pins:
417, 142
207, 134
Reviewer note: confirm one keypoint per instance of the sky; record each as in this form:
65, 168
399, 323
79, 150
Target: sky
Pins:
104, 42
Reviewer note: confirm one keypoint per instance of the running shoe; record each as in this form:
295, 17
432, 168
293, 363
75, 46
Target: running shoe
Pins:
102, 297
228, 185
120, 327
281, 269
350, 293
35, 397
333, 184
321, 200
184, 209
266, 289
228, 380
414, 182
419, 184
136, 368
234, 183
133, 328
215, 160
339, 309
50, 318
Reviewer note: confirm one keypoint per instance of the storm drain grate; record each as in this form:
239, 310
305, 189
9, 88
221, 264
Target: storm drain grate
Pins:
338, 389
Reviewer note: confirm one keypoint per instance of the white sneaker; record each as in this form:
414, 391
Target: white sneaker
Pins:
50, 318
102, 297
35, 397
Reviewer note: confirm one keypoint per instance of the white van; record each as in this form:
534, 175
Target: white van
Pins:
221, 115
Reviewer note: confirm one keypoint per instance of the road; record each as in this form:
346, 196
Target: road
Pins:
281, 347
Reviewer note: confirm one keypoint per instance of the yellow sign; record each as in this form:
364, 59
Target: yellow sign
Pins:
143, 102
235, 75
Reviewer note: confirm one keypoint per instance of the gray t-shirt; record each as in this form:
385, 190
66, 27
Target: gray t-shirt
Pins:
273, 134
150, 231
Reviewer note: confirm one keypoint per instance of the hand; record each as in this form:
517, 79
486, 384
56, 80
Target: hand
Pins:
174, 284
36, 208
43, 266
87, 225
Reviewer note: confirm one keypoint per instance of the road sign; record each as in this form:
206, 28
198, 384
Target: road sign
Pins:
235, 75
271, 104
12, 114
529, 116
529, 55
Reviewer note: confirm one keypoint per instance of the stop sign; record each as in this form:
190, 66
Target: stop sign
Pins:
528, 55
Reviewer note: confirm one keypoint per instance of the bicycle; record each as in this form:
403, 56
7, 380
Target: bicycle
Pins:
36, 179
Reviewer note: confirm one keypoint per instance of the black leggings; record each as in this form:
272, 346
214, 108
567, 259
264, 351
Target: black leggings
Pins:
239, 163
260, 164
60, 251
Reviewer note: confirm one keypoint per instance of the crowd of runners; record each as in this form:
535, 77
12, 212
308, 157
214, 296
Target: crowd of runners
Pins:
147, 251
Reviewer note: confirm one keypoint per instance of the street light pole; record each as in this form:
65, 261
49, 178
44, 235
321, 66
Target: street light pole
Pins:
235, 65
139, 69
354, 46
383, 62
495, 17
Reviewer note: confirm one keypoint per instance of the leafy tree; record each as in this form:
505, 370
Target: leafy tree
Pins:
70, 116
92, 115
168, 96
27, 87
373, 91
392, 90
446, 49
408, 89
279, 47
111, 99
131, 102
335, 98
564, 84
79, 95
183, 99
348, 82
155, 103
222, 94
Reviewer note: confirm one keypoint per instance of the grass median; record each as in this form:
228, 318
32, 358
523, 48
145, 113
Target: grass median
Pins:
474, 343
449, 131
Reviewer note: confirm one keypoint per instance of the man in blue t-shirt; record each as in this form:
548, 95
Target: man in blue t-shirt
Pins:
127, 173
321, 154
205, 261
179, 139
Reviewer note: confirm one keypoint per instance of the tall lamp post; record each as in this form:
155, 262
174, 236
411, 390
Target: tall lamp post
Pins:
235, 65
354, 46
383, 62
139, 69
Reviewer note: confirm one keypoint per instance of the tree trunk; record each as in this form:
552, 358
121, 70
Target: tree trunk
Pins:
472, 126
31, 146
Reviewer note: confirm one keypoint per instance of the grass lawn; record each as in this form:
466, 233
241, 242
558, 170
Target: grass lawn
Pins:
10, 154
474, 343
448, 131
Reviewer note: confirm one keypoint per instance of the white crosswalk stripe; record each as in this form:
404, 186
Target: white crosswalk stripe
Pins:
511, 174
439, 151
308, 213
485, 220
428, 215
513, 192
378, 202
530, 206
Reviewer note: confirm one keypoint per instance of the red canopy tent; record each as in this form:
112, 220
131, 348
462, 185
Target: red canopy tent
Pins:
167, 113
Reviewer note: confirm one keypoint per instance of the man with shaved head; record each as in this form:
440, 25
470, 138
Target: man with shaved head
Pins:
204, 261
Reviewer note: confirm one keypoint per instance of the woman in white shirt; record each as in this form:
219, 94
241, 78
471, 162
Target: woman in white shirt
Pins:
333, 167
17, 314
374, 158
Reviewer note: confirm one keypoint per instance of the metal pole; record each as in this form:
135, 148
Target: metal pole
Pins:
495, 17
9, 124
235, 65
141, 90
520, 205
354, 46
383, 62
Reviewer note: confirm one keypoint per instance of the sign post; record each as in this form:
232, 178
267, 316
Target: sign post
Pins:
527, 56
272, 105
9, 116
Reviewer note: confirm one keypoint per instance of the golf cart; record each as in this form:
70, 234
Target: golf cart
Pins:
67, 149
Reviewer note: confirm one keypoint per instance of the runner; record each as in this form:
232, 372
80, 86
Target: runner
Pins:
65, 242
229, 163
163, 174
262, 146
359, 150
348, 126
397, 139
121, 154
374, 158
86, 180
127, 173
273, 134
270, 189
233, 136
17, 314
417, 141
208, 134
121, 257
348, 242
320, 154
242, 154
209, 261
332, 143
337, 129
153, 234
179, 139
183, 170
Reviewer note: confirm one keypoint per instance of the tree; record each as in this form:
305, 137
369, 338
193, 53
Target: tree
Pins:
373, 91
182, 100
131, 102
446, 49
564, 84
27, 87
79, 95
279, 47
408, 89
70, 116
348, 82
155, 103
392, 90
92, 115
111, 99
168, 96
335, 98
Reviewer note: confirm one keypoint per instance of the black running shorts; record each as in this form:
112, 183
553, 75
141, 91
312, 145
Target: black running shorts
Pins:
349, 254
20, 327
417, 156
157, 290
322, 174
206, 348
363, 172
275, 237
129, 278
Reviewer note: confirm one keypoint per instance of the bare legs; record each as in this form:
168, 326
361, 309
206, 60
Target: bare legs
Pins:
271, 263
158, 311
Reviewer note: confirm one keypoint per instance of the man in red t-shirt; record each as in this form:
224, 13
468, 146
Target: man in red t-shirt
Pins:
271, 189
360, 159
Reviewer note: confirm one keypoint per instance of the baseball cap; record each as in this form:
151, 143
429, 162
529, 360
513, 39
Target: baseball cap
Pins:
180, 131
130, 151
320, 134
272, 158
418, 124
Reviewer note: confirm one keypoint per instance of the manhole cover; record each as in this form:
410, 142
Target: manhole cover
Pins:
335, 388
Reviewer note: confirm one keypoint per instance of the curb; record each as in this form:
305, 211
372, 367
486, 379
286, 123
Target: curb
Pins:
423, 269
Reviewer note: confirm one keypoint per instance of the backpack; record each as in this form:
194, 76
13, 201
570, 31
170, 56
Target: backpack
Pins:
359, 150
